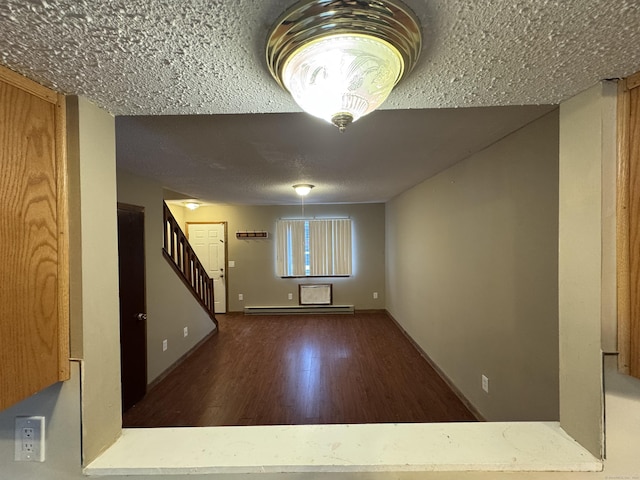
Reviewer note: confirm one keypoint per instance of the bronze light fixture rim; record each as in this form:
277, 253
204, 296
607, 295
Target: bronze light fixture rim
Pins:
309, 20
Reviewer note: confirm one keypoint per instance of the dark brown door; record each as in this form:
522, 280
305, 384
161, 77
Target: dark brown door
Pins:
133, 317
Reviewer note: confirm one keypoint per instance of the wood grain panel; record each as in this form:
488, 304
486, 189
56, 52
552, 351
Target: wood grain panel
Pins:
634, 231
633, 81
301, 369
62, 193
26, 85
622, 230
30, 329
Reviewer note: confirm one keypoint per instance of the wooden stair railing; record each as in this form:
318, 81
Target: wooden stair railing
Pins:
183, 259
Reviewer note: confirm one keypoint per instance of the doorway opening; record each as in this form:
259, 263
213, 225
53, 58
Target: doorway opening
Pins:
209, 241
133, 308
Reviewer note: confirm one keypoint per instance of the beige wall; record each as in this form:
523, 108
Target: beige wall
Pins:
170, 305
472, 272
101, 404
60, 404
582, 248
254, 273
178, 212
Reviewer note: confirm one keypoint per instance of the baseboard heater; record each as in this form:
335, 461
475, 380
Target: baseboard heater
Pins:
298, 309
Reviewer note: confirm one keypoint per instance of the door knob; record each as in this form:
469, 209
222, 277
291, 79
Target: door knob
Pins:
141, 317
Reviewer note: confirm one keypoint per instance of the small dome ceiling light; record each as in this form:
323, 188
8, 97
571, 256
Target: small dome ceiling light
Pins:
340, 59
303, 189
192, 205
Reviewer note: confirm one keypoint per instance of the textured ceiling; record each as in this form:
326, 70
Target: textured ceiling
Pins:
152, 57
255, 159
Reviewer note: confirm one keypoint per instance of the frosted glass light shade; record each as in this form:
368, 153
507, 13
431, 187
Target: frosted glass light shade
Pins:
303, 189
340, 78
340, 59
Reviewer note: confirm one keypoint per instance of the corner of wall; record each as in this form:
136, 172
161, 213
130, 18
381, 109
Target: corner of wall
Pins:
170, 305
471, 272
101, 402
580, 279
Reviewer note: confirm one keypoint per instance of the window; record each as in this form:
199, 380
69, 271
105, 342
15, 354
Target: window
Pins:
313, 248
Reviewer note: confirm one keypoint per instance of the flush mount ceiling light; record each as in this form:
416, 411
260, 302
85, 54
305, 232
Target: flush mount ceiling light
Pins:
340, 59
303, 189
192, 205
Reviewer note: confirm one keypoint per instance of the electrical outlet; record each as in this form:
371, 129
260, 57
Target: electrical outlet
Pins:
185, 332
240, 296
485, 384
375, 295
290, 296
29, 439
165, 345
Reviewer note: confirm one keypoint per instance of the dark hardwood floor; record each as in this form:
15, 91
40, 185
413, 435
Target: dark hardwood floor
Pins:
297, 370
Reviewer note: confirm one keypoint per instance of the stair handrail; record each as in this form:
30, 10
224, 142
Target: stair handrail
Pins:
181, 256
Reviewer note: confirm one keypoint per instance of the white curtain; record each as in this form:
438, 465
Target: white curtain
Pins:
290, 248
320, 255
342, 247
329, 247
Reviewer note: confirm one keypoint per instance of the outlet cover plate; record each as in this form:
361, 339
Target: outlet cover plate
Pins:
29, 435
485, 383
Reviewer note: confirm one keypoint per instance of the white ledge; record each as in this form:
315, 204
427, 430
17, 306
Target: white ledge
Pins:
527, 446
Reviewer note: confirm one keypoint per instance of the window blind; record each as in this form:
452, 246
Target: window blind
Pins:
319, 247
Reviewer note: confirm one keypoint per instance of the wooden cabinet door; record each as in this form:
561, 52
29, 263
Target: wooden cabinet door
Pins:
34, 329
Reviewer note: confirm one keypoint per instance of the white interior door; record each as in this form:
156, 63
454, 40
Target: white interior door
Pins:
207, 239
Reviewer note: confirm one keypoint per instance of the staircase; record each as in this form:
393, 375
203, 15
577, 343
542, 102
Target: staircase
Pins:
177, 251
